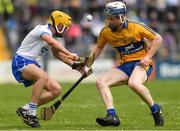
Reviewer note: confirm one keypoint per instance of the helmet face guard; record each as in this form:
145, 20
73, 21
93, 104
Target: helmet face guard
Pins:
120, 17
59, 33
115, 26
60, 22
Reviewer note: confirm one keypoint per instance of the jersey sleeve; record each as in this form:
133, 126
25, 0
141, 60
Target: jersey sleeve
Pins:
146, 32
101, 41
40, 30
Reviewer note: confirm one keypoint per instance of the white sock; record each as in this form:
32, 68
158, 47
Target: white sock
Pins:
110, 108
32, 109
26, 107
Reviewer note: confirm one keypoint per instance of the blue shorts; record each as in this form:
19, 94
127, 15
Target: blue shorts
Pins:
128, 67
18, 64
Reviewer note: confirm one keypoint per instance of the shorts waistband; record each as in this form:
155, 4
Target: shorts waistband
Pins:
26, 57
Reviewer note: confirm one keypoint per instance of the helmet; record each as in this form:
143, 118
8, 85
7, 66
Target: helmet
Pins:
59, 17
118, 10
115, 8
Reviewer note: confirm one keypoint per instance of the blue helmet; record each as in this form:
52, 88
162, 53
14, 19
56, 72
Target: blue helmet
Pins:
115, 8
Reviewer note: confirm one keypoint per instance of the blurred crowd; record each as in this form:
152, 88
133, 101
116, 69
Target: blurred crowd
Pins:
18, 17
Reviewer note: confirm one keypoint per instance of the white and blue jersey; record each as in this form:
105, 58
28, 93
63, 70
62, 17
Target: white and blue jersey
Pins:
32, 47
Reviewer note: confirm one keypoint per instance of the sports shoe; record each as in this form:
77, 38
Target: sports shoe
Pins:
28, 119
158, 117
33, 121
23, 114
109, 120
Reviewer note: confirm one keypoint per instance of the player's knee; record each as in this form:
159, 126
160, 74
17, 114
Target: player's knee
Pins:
57, 90
134, 85
100, 83
54, 87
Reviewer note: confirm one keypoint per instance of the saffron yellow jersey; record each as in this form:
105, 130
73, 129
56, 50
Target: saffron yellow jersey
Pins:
129, 41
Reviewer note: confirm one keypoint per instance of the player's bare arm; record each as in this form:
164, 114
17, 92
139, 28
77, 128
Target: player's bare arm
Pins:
154, 46
97, 51
77, 65
58, 46
94, 54
62, 57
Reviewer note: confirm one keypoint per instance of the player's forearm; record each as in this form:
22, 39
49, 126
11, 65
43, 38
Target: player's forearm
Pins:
94, 54
97, 51
154, 46
63, 57
60, 47
69, 55
55, 44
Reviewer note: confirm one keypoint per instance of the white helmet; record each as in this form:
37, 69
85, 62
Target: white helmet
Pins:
115, 8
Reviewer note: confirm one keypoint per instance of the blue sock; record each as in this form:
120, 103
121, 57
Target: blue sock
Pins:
154, 108
111, 111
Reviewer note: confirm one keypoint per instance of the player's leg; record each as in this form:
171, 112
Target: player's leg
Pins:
53, 90
136, 84
107, 80
40, 78
33, 73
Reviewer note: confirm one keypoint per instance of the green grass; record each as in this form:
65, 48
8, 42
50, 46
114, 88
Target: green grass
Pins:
80, 109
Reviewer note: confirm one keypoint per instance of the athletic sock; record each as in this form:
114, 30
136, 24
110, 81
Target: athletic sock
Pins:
32, 109
111, 111
26, 107
154, 108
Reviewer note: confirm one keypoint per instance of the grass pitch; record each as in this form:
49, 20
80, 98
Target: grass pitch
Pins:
80, 109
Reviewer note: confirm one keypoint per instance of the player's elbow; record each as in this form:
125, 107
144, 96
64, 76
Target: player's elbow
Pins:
158, 39
55, 55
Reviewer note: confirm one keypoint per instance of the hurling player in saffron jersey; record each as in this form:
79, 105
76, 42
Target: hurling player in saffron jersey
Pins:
27, 70
128, 37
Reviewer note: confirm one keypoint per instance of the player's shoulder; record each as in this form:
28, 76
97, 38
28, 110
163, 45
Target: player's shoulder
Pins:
135, 23
105, 29
139, 25
39, 29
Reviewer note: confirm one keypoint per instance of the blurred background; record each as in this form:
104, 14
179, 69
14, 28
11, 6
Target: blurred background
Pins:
18, 17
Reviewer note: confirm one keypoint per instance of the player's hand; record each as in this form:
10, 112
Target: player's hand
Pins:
145, 61
73, 56
78, 65
82, 68
89, 60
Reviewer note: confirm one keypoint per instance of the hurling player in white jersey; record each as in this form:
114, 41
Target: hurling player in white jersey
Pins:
26, 69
